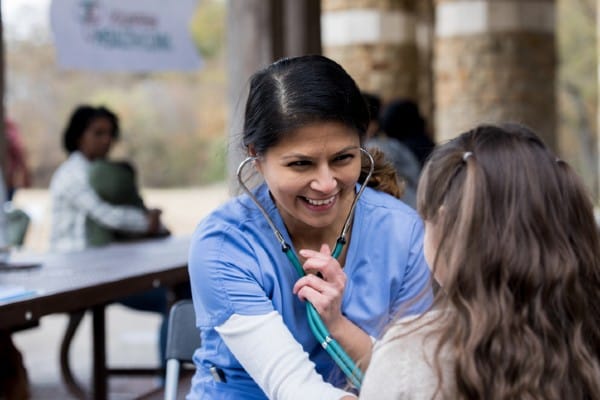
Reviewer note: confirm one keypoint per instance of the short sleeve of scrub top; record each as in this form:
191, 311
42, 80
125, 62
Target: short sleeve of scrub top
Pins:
228, 280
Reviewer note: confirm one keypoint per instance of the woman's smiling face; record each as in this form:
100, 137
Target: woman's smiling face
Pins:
312, 173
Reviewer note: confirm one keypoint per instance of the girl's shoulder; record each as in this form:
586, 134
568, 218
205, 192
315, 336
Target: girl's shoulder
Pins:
403, 362
413, 327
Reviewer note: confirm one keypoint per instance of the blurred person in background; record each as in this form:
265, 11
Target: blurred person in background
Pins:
78, 210
13, 375
88, 138
18, 174
405, 162
402, 120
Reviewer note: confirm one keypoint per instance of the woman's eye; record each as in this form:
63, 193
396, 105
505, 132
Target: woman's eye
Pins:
299, 163
343, 157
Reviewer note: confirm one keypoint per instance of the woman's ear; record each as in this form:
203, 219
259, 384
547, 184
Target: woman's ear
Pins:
258, 165
252, 153
251, 150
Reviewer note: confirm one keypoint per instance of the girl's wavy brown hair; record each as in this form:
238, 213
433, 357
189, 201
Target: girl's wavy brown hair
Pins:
521, 254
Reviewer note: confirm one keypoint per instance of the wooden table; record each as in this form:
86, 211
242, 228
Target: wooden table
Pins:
91, 279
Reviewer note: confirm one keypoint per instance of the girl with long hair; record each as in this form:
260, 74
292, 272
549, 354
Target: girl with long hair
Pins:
512, 242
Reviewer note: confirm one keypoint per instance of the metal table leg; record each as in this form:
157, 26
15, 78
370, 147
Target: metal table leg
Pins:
99, 342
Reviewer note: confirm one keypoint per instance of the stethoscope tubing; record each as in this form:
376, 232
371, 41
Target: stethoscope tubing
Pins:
317, 326
321, 333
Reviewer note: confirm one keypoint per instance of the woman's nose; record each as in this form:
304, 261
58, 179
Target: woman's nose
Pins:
324, 181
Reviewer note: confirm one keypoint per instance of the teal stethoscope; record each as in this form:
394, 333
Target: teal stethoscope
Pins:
315, 322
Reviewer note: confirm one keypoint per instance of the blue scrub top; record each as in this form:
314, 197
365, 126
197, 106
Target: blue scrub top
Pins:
236, 266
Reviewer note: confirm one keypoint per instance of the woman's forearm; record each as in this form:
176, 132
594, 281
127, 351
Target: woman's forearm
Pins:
356, 342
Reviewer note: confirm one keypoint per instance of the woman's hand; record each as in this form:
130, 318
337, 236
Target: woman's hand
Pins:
323, 285
153, 216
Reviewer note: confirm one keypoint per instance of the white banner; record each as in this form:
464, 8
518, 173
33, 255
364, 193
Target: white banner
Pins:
124, 35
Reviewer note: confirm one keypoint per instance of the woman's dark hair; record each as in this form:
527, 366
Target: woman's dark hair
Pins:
80, 120
520, 253
295, 92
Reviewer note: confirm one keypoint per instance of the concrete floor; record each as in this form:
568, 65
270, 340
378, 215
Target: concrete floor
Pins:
131, 342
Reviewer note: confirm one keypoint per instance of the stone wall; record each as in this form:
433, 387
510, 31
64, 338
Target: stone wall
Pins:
334, 5
497, 77
375, 42
388, 70
495, 69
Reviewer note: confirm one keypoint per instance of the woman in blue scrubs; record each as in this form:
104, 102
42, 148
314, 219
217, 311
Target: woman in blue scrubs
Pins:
305, 122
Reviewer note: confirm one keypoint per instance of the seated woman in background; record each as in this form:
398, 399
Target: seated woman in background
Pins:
81, 218
511, 238
87, 140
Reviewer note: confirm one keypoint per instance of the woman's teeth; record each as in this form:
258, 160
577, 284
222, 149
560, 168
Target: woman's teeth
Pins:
320, 202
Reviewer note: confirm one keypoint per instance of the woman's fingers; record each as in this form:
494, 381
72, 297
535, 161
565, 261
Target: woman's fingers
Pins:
316, 283
323, 254
321, 262
311, 295
324, 284
321, 295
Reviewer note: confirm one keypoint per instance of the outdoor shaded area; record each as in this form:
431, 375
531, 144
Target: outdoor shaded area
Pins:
529, 62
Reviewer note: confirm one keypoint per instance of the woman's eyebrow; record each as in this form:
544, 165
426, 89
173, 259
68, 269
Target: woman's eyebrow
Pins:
295, 156
304, 156
348, 148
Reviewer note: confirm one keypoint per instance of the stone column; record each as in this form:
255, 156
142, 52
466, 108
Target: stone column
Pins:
249, 48
424, 35
374, 40
302, 27
2, 86
597, 184
3, 158
495, 61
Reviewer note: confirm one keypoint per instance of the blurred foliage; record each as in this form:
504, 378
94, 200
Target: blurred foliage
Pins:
208, 29
172, 124
577, 87
215, 162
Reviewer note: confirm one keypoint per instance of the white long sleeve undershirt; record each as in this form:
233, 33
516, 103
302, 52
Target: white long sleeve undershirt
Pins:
269, 353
